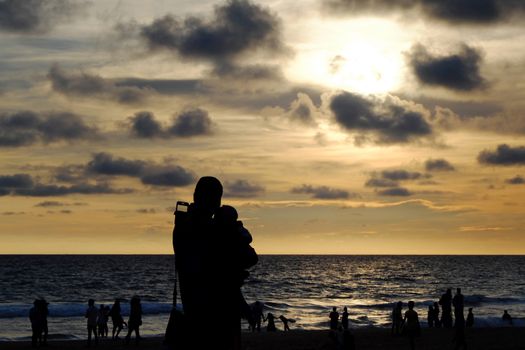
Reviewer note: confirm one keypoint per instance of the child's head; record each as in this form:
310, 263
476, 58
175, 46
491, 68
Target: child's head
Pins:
227, 213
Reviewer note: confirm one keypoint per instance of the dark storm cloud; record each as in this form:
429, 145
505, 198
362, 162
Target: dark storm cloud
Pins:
503, 155
452, 11
89, 85
188, 123
36, 16
26, 127
324, 192
438, 165
169, 176
459, 71
516, 180
242, 189
237, 27
395, 192
106, 164
392, 123
148, 172
191, 122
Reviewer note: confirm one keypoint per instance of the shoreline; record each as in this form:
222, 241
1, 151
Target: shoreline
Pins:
370, 338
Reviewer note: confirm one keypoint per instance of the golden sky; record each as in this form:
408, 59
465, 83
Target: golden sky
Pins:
336, 127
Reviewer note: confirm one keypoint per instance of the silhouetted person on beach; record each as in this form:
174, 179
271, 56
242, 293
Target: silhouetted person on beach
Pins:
459, 335
411, 327
459, 305
44, 310
334, 319
446, 307
117, 319
38, 318
506, 318
91, 315
397, 318
470, 319
285, 322
135, 319
437, 320
257, 316
208, 260
430, 316
344, 318
270, 318
102, 321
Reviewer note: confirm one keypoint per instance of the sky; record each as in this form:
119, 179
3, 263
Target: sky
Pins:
335, 126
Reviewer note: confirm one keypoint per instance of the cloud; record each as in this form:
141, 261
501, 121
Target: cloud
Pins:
449, 11
144, 125
88, 85
16, 181
395, 192
324, 192
46, 204
106, 164
169, 176
188, 123
378, 182
36, 16
24, 128
191, 122
400, 175
242, 189
25, 185
149, 173
516, 180
503, 155
303, 110
251, 72
438, 165
238, 27
390, 179
459, 71
390, 120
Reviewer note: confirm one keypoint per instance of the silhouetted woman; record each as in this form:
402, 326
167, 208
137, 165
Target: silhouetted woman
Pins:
397, 318
116, 318
344, 318
135, 319
270, 327
411, 327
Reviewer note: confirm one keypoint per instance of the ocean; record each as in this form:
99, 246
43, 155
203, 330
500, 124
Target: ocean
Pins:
301, 287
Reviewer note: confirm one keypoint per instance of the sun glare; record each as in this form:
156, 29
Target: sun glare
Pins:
359, 56
359, 67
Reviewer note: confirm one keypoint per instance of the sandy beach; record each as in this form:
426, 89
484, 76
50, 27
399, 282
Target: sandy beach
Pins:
477, 338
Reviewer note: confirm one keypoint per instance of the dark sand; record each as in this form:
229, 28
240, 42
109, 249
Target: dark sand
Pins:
477, 338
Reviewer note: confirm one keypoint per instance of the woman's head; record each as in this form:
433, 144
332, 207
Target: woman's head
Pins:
207, 194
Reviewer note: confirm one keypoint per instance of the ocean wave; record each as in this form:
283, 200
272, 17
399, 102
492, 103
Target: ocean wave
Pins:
79, 309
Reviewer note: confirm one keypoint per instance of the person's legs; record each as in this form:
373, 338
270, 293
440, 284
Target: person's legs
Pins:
128, 336
137, 335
